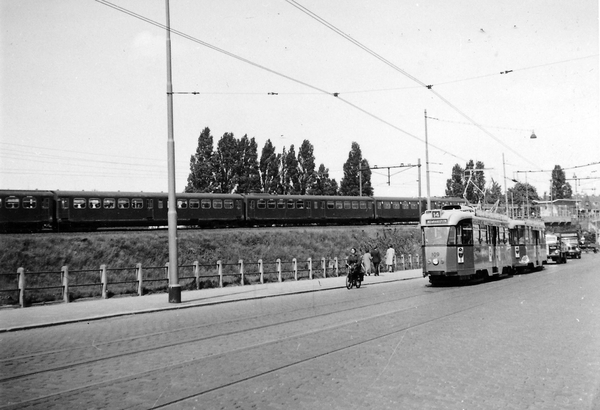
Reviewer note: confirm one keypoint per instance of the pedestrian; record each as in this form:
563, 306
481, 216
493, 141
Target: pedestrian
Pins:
366, 262
390, 258
376, 259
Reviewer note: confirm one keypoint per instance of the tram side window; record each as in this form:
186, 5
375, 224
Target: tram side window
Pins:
109, 203
522, 234
464, 234
483, 235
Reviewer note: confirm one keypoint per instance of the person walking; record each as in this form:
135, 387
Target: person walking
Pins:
366, 262
376, 259
390, 256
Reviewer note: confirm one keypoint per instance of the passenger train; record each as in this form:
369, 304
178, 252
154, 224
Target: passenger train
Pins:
461, 243
36, 211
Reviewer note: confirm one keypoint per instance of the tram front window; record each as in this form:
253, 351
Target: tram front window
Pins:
439, 235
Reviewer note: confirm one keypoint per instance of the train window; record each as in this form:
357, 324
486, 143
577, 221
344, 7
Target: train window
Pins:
281, 204
228, 203
12, 202
271, 204
396, 205
123, 203
109, 203
330, 204
363, 205
354, 204
387, 205
347, 205
46, 203
29, 202
137, 203
290, 204
238, 204
370, 205
161, 204
251, 204
300, 204
405, 205
0, 202
149, 204
64, 203
182, 204
379, 204
414, 205
194, 204
205, 203
94, 203
79, 203
217, 204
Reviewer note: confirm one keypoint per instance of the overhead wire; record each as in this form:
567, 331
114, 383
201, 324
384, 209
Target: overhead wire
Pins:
405, 73
245, 60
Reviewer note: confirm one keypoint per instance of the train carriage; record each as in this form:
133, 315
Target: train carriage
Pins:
528, 244
210, 210
264, 209
459, 243
26, 211
80, 210
390, 209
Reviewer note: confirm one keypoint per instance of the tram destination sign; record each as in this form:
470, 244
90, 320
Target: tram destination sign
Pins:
437, 221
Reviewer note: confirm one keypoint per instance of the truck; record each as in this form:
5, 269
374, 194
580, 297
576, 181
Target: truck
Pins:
556, 249
571, 240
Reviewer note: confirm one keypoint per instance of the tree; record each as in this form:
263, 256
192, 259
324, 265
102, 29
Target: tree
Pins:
247, 175
269, 168
455, 185
322, 184
306, 166
560, 188
523, 195
201, 177
290, 181
494, 193
225, 163
475, 182
350, 184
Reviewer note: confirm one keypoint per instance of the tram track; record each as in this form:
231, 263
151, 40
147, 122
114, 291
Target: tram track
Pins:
348, 325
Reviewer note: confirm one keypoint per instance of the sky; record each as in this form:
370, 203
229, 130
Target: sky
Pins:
83, 101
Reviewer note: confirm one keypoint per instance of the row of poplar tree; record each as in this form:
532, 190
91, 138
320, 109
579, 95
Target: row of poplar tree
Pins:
470, 182
234, 167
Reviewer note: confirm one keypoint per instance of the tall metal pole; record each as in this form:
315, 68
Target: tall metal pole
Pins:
427, 164
505, 187
420, 197
174, 287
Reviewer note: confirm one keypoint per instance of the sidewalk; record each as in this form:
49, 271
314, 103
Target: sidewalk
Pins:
86, 310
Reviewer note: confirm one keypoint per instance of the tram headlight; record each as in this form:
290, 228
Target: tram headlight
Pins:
435, 261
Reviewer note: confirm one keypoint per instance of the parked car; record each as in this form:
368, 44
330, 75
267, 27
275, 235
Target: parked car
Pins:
573, 251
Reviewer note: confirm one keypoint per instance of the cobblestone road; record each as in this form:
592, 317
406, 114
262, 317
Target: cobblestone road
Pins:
527, 342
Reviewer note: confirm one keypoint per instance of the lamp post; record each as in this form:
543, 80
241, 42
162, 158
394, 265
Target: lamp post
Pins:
174, 287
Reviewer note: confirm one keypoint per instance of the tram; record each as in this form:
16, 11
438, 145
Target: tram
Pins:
460, 243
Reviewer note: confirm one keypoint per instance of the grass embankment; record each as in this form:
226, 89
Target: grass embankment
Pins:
121, 251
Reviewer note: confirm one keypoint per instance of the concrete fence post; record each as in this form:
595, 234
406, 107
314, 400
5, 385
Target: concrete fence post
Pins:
104, 281
197, 273
310, 275
220, 273
64, 274
21, 279
410, 264
324, 265
336, 266
417, 261
140, 278
279, 270
241, 263
261, 270
402, 262
295, 268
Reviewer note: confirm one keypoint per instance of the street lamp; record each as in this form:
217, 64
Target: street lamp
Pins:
533, 136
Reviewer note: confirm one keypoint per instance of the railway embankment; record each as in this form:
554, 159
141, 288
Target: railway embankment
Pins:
43, 256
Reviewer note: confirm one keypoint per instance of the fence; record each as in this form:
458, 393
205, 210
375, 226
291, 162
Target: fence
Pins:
140, 280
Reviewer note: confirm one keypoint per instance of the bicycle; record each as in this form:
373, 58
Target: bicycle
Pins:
353, 277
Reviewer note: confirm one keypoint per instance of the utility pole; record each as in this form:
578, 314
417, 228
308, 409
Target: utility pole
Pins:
427, 164
174, 287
